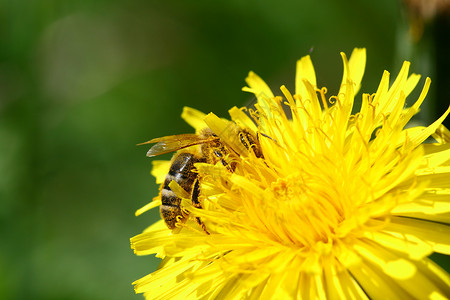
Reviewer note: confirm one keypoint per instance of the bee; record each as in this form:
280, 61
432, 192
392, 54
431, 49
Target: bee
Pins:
182, 169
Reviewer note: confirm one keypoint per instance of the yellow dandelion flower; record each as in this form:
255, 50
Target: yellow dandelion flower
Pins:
305, 200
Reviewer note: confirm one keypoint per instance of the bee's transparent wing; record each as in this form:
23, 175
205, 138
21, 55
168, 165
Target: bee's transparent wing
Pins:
173, 143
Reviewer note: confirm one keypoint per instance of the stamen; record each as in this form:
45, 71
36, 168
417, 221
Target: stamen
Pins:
322, 93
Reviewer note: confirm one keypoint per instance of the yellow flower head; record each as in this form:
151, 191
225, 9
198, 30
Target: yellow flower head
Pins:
321, 204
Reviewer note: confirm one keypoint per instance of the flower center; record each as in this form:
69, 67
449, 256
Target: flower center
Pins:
289, 189
303, 208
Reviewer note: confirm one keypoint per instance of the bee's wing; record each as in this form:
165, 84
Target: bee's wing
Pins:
173, 143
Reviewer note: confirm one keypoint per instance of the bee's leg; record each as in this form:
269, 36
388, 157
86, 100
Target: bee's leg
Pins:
220, 154
250, 143
196, 203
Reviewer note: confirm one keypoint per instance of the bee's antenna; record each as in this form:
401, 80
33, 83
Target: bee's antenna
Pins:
265, 135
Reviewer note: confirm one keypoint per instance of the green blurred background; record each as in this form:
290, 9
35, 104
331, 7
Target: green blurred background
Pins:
82, 82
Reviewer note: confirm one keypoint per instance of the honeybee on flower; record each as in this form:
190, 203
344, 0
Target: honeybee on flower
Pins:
321, 204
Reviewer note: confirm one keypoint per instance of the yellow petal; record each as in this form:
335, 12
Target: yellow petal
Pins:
305, 72
409, 278
341, 285
194, 118
393, 266
354, 69
435, 274
411, 83
376, 284
398, 87
428, 206
258, 87
160, 170
243, 121
424, 134
434, 234
435, 155
261, 90
147, 207
414, 250
442, 135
